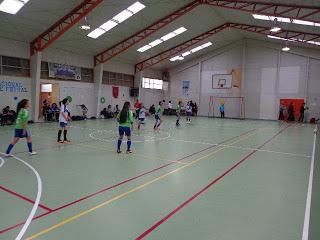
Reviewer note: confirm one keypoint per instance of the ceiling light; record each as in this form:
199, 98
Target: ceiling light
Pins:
12, 6
144, 48
180, 30
136, 7
286, 49
286, 20
181, 57
168, 36
85, 26
275, 29
108, 25
155, 42
96, 33
186, 54
196, 49
124, 15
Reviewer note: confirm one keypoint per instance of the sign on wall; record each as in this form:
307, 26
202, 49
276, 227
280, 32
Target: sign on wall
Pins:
12, 87
64, 71
185, 88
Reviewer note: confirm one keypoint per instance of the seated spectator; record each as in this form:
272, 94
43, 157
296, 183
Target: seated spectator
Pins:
7, 116
152, 109
116, 110
107, 112
103, 113
55, 111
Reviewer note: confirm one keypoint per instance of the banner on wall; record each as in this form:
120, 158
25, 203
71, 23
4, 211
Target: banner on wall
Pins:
115, 92
185, 88
64, 71
13, 87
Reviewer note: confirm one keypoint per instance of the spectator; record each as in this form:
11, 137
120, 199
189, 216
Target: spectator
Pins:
291, 113
104, 113
8, 116
302, 109
195, 109
55, 111
137, 107
116, 110
282, 108
84, 110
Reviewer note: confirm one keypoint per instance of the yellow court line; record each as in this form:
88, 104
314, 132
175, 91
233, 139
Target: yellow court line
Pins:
122, 195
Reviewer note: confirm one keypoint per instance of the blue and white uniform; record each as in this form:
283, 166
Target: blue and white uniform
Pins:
62, 121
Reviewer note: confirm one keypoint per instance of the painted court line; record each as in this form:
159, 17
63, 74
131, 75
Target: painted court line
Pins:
123, 182
243, 148
203, 190
1, 162
13, 193
37, 201
306, 222
120, 196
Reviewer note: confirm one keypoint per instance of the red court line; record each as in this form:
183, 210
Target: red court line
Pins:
121, 183
24, 198
188, 201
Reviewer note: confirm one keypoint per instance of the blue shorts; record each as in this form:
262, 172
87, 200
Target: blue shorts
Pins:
21, 133
62, 124
189, 114
124, 130
141, 120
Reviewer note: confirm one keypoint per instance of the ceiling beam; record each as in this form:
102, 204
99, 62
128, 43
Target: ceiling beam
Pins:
307, 13
178, 49
287, 34
143, 34
63, 25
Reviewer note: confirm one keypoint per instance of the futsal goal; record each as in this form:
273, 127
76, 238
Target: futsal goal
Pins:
234, 106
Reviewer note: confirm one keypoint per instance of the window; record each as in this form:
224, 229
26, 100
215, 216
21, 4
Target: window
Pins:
152, 83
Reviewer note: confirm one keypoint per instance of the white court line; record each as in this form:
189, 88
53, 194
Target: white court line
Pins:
306, 223
177, 162
37, 201
1, 162
243, 148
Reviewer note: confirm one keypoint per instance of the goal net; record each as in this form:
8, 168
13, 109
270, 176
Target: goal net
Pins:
234, 106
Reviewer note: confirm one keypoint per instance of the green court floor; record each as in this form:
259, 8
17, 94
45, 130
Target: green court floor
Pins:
212, 179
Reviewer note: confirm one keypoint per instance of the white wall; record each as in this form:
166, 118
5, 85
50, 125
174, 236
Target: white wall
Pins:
124, 95
7, 95
268, 75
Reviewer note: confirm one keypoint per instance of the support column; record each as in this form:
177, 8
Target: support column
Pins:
97, 74
138, 84
35, 65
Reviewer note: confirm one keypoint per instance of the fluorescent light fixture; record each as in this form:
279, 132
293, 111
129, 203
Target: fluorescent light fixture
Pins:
108, 25
155, 43
144, 48
286, 49
96, 33
162, 39
181, 57
285, 20
275, 29
12, 6
85, 27
168, 36
196, 49
180, 30
294, 40
124, 15
119, 18
136, 7
186, 54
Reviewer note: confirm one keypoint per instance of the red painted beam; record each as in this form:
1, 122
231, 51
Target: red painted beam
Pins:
61, 26
143, 34
307, 13
243, 27
175, 50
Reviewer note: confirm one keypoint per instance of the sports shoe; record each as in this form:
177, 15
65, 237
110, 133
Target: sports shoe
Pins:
118, 151
129, 151
32, 153
8, 155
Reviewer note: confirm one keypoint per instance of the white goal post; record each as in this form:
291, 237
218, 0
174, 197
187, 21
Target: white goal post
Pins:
234, 106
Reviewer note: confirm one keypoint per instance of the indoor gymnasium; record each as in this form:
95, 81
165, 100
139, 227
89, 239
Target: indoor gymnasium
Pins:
159, 119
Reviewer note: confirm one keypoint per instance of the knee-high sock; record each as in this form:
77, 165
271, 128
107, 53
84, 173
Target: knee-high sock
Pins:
128, 145
65, 135
119, 144
9, 148
59, 135
30, 146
